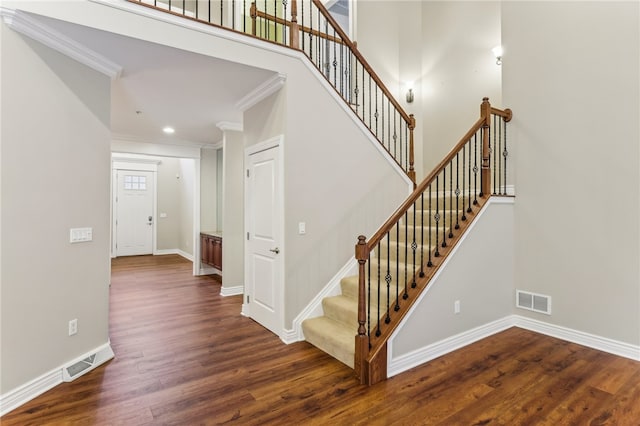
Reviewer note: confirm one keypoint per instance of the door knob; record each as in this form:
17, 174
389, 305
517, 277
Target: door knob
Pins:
275, 250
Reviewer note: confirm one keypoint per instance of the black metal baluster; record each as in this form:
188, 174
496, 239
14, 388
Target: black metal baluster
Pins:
369, 99
397, 307
495, 172
401, 145
406, 151
244, 15
335, 62
505, 155
429, 262
475, 169
436, 217
221, 13
169, 5
444, 207
458, 190
498, 172
197, 16
355, 91
184, 7
405, 296
451, 198
464, 175
375, 115
343, 73
422, 235
388, 278
395, 134
414, 246
469, 169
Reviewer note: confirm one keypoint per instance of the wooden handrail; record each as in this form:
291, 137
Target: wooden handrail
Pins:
420, 188
343, 40
362, 60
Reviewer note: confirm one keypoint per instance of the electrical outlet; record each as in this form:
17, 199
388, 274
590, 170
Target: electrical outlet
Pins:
456, 307
73, 327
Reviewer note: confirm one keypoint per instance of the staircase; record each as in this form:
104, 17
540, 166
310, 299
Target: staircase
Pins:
334, 331
397, 263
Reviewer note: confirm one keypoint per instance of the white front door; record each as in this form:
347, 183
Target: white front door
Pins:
134, 212
264, 249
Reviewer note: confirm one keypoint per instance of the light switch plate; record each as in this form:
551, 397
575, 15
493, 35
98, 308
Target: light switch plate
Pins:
80, 235
302, 228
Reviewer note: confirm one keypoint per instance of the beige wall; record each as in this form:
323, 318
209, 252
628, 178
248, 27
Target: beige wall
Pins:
208, 192
389, 36
233, 210
186, 202
575, 93
478, 275
55, 147
458, 69
168, 190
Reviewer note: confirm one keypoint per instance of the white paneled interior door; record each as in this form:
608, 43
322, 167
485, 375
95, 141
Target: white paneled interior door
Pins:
264, 249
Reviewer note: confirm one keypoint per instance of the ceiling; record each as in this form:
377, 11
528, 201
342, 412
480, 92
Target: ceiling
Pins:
163, 86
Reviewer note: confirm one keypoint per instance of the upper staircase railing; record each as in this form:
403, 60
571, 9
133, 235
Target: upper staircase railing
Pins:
399, 260
306, 25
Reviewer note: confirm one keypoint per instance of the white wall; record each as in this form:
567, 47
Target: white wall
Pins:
55, 176
570, 75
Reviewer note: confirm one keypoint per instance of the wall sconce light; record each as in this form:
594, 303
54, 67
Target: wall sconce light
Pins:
410, 95
497, 52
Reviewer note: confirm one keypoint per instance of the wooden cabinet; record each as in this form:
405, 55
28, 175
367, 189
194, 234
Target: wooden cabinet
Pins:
211, 250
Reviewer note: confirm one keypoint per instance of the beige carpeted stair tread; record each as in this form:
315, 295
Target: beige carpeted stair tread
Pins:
349, 286
332, 337
342, 309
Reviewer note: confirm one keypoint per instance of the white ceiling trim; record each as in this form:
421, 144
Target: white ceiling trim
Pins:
229, 125
31, 27
261, 92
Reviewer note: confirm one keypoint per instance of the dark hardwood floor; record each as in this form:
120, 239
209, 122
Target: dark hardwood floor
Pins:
185, 356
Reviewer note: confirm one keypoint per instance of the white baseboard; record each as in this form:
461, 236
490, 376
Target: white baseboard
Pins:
314, 308
290, 336
231, 291
174, 251
209, 270
30, 390
600, 343
412, 359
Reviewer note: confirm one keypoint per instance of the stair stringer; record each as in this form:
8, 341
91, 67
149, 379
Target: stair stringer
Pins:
441, 330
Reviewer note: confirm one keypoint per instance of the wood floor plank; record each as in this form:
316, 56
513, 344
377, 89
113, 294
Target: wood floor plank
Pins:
185, 356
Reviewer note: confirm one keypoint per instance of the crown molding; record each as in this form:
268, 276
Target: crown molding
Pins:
261, 92
35, 29
229, 125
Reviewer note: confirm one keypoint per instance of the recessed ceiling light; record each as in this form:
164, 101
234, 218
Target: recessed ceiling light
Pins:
169, 130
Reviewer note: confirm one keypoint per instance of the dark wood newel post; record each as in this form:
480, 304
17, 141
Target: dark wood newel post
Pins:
412, 172
485, 113
294, 30
362, 345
